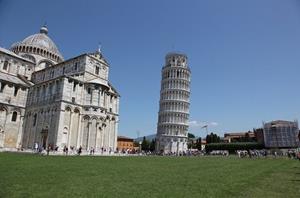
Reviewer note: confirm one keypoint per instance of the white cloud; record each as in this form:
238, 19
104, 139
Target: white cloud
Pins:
197, 124
213, 124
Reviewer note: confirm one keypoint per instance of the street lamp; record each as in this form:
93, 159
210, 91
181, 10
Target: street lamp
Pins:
205, 126
140, 143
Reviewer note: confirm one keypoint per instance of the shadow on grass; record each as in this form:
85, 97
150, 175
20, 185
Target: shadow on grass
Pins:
295, 180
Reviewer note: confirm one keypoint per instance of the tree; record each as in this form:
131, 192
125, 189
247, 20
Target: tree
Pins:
152, 145
198, 144
212, 138
190, 135
145, 144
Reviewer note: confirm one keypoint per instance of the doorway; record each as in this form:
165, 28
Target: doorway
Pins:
44, 138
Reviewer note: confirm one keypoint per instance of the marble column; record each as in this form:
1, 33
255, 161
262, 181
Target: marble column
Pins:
79, 132
89, 135
70, 129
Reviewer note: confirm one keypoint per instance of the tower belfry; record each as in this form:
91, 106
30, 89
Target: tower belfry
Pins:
173, 116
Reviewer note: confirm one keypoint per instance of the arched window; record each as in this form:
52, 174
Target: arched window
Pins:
16, 91
2, 87
5, 65
97, 70
34, 119
14, 116
29, 57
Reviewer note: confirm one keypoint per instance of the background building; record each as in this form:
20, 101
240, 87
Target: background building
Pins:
239, 137
49, 101
173, 116
281, 134
125, 143
259, 135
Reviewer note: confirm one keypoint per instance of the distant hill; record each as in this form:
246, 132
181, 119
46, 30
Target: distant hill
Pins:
148, 137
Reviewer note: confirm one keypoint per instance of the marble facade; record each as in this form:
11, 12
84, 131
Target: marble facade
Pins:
58, 102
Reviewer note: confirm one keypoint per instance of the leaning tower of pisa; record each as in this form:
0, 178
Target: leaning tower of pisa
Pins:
173, 116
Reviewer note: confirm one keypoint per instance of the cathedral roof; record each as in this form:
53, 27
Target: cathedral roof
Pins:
40, 40
98, 81
14, 55
13, 79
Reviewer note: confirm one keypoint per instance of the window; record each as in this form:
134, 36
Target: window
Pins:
44, 91
16, 91
110, 109
47, 64
74, 86
75, 67
50, 89
14, 116
97, 70
89, 90
52, 74
34, 119
2, 87
73, 99
6, 64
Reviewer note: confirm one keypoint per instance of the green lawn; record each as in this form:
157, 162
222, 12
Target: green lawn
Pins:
25, 175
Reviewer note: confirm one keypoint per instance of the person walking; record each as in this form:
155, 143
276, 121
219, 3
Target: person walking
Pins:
36, 147
48, 149
65, 150
79, 150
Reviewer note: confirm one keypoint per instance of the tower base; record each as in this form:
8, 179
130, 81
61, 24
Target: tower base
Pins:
171, 145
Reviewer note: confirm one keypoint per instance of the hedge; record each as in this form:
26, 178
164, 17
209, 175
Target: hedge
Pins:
232, 147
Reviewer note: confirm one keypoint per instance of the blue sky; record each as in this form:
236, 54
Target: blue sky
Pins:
244, 55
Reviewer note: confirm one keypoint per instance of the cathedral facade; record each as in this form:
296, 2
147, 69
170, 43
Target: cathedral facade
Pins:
47, 100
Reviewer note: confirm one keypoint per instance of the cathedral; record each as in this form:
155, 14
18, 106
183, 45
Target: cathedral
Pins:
49, 101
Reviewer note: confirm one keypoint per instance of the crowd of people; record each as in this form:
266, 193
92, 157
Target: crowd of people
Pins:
251, 153
39, 149
220, 152
291, 153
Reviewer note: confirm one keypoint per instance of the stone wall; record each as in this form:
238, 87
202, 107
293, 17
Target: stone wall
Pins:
15, 65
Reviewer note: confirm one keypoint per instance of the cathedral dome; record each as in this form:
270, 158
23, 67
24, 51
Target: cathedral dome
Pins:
39, 44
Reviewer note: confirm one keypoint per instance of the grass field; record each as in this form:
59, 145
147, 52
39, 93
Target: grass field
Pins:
24, 175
